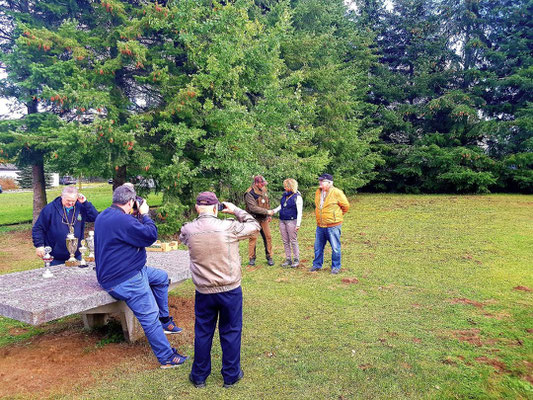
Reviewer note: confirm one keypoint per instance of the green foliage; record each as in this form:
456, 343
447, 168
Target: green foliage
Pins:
197, 95
204, 95
435, 169
518, 172
454, 74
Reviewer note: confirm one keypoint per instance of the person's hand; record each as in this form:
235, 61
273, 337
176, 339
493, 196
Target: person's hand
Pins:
39, 251
270, 212
296, 229
269, 219
81, 198
229, 208
143, 209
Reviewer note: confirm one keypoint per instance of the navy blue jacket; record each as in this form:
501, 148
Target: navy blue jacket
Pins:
119, 245
288, 211
49, 229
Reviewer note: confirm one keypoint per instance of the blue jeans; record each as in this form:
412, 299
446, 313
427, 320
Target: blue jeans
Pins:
147, 296
333, 236
227, 307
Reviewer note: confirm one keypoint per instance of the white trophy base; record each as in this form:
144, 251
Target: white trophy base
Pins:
48, 274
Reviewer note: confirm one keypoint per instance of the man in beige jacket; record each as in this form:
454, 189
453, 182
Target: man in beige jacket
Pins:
216, 273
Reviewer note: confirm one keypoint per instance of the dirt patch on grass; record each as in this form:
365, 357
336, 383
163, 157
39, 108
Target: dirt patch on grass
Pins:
499, 316
49, 362
58, 361
350, 280
498, 365
522, 288
476, 304
17, 249
469, 335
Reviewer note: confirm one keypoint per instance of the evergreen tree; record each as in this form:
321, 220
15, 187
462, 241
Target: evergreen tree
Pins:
451, 81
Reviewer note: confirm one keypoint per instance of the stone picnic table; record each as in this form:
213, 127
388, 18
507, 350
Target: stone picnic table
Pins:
28, 297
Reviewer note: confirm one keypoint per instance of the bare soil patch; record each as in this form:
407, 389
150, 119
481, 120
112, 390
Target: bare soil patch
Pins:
523, 288
55, 362
17, 249
498, 365
469, 335
476, 304
498, 316
349, 281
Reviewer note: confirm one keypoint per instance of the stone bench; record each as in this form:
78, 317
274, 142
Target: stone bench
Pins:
28, 297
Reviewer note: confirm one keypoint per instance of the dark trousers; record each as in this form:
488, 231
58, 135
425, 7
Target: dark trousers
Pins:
227, 307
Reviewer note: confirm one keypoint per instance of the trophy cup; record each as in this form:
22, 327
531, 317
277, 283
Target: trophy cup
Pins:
47, 258
83, 251
90, 245
72, 246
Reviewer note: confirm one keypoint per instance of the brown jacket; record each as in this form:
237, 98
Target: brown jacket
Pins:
214, 250
257, 202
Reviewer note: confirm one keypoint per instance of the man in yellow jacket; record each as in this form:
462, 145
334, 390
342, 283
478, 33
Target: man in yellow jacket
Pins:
330, 206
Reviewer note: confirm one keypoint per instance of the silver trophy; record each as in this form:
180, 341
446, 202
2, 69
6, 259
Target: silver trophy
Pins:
72, 246
83, 251
90, 245
47, 258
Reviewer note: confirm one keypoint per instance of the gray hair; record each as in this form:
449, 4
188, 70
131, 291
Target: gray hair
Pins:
69, 190
123, 194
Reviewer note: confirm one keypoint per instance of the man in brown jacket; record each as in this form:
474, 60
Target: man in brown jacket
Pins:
257, 204
216, 273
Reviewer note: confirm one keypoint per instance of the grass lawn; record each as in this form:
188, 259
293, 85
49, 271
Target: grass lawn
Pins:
436, 306
17, 207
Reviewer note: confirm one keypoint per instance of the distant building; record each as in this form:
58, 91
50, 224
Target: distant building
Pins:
9, 171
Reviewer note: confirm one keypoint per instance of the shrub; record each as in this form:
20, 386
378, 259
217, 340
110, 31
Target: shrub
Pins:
8, 184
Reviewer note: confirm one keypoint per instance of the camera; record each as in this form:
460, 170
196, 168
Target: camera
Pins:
221, 206
137, 203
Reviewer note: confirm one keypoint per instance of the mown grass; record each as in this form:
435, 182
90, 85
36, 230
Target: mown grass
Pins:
17, 207
434, 314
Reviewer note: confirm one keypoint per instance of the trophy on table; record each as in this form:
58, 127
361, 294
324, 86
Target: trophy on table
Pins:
47, 258
90, 245
72, 246
83, 251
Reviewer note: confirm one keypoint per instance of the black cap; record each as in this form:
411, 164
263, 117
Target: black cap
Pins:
325, 177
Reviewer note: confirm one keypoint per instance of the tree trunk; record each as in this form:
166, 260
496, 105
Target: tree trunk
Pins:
120, 177
39, 187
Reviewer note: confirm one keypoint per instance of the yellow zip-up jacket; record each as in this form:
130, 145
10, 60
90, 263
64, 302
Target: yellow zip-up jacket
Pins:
335, 206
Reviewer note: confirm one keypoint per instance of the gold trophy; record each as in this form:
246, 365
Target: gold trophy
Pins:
83, 251
72, 246
90, 245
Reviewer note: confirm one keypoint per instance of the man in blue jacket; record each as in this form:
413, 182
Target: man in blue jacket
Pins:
120, 240
67, 212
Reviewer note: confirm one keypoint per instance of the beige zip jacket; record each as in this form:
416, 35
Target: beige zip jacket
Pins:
214, 250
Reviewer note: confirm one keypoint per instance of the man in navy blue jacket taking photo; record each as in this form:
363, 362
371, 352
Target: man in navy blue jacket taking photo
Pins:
120, 240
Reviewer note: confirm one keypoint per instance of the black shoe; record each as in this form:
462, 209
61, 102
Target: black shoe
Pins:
295, 263
196, 384
228, 385
270, 261
251, 263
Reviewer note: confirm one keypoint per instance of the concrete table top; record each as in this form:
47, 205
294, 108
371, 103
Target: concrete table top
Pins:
28, 297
